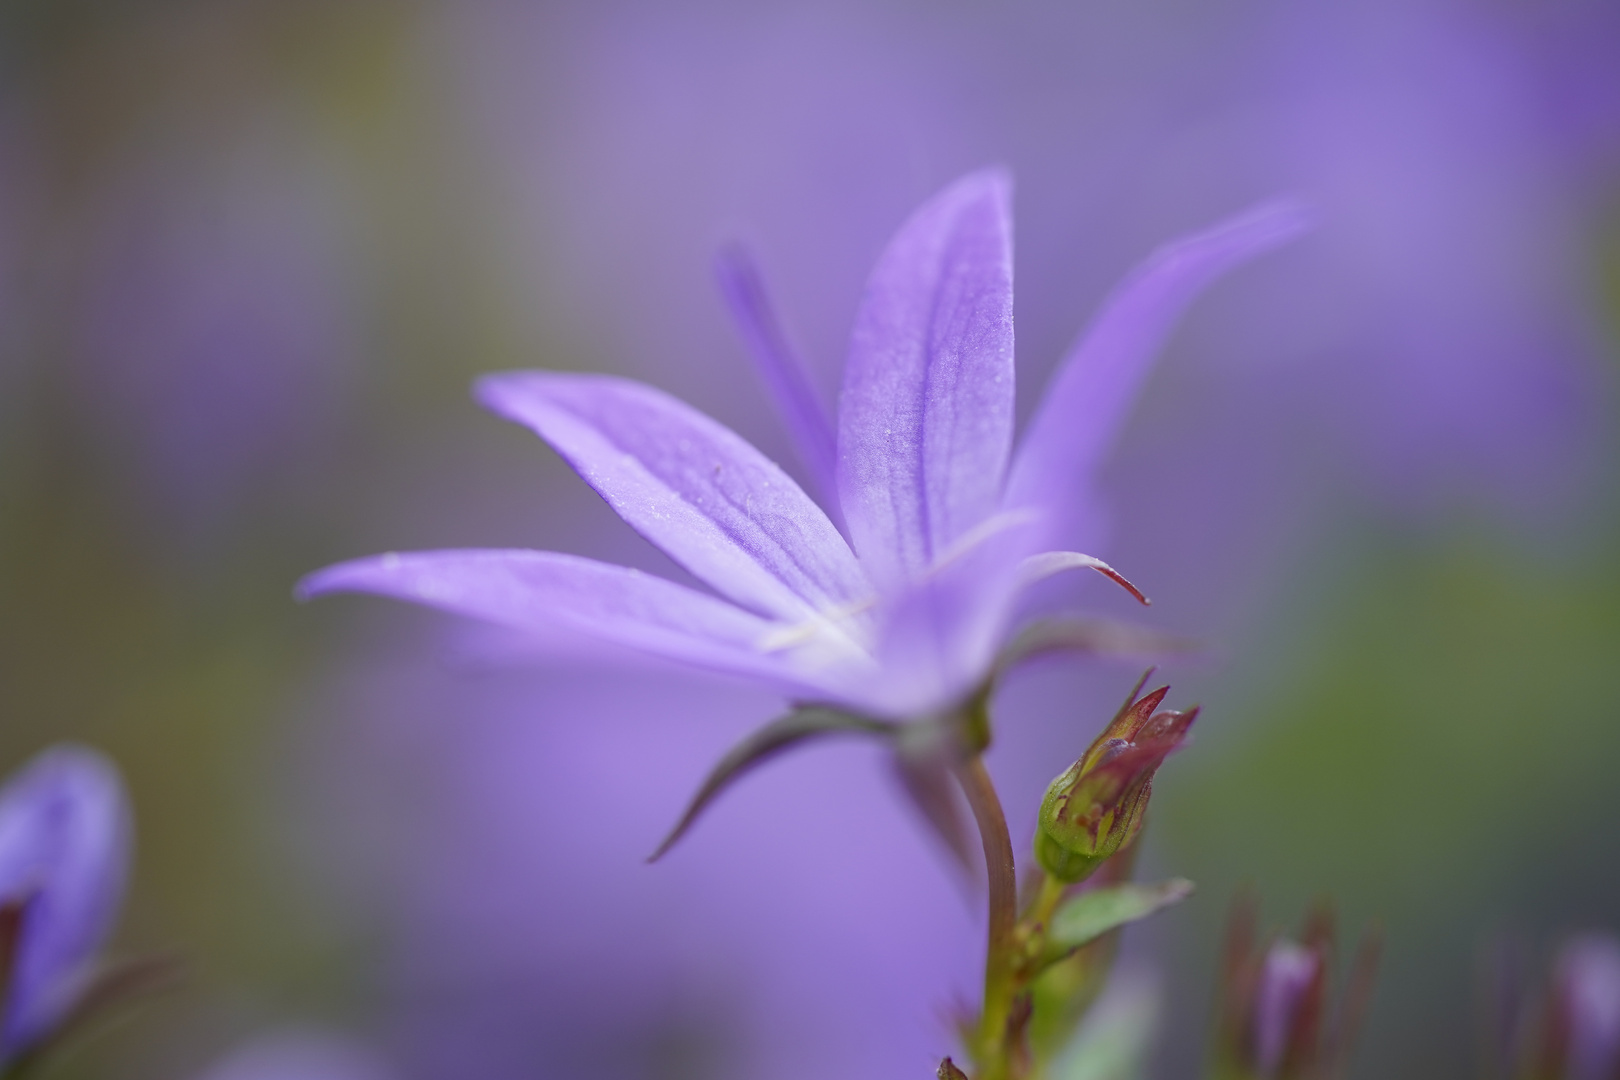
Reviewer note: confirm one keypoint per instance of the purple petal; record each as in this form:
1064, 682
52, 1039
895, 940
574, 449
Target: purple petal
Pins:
932, 650
779, 365
546, 592
938, 636
64, 850
715, 504
925, 420
1087, 401
1285, 977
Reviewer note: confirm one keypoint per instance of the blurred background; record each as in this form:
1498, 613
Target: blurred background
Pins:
252, 252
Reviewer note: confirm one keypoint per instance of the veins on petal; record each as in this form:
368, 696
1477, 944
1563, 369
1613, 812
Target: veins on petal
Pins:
986, 530
840, 623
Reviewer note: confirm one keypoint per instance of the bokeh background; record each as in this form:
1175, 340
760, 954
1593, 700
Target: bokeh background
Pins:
253, 251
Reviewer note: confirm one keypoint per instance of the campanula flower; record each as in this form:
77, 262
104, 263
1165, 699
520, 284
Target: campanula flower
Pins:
64, 856
902, 613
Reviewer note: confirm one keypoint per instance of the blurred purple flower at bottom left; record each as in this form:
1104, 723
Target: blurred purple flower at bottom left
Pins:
64, 857
299, 1056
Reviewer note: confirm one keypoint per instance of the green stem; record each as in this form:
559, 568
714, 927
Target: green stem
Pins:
1051, 894
999, 980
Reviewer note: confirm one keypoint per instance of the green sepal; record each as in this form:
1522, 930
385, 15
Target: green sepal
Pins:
1069, 867
803, 723
1090, 915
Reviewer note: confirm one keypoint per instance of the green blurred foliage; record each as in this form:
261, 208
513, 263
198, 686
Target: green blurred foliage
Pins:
1437, 755
182, 664
1429, 734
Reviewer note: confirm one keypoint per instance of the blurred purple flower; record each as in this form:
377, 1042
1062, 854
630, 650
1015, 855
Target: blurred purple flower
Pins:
64, 857
1587, 988
299, 1056
212, 325
1288, 976
944, 532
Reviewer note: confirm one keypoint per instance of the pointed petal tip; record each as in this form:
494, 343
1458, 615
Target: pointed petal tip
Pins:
734, 261
495, 390
742, 285
307, 588
1261, 227
512, 394
992, 183
1086, 403
1204, 255
339, 577
487, 384
85, 770
369, 573
994, 179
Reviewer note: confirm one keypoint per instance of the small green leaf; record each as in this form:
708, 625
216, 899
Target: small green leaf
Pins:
1117, 1038
805, 722
1092, 914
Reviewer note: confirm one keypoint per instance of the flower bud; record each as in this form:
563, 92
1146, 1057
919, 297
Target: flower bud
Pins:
1276, 1019
1287, 1004
1095, 808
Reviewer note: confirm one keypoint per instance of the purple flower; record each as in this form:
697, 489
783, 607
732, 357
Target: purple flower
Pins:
64, 856
1588, 994
1278, 1016
945, 525
1290, 975
299, 1056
